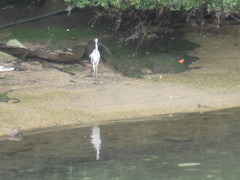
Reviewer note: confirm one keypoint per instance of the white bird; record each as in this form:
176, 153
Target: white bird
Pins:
95, 58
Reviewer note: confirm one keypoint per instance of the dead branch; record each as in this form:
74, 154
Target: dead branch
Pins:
57, 56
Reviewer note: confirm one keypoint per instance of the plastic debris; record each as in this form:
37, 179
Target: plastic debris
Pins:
15, 43
4, 68
181, 61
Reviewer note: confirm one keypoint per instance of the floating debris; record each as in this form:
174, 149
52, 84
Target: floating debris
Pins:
87, 178
188, 164
147, 159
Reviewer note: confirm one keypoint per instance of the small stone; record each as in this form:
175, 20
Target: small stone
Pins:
202, 106
73, 38
68, 49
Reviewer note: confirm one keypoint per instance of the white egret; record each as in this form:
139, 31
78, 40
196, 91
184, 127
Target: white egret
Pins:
95, 58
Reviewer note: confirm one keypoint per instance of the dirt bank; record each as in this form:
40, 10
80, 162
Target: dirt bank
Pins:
50, 98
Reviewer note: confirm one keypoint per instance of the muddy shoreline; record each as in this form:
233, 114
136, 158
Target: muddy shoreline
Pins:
52, 98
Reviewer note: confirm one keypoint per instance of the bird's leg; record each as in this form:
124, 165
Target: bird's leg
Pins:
94, 73
96, 70
93, 65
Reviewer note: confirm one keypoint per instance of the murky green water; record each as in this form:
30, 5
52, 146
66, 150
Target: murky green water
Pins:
181, 147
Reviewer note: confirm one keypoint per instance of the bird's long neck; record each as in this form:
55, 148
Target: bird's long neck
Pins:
96, 45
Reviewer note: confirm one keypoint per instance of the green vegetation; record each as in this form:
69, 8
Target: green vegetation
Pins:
4, 97
135, 19
140, 15
173, 5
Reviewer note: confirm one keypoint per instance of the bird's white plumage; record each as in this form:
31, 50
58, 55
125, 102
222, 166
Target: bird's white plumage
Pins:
95, 58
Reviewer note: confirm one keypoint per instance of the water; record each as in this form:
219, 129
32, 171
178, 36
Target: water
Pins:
182, 147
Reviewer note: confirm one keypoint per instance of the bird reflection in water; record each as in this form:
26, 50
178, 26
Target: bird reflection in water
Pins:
96, 140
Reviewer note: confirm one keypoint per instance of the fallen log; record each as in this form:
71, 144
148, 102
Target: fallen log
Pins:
57, 56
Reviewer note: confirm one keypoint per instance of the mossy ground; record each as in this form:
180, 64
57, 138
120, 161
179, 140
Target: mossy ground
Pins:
131, 63
50, 33
4, 97
125, 59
